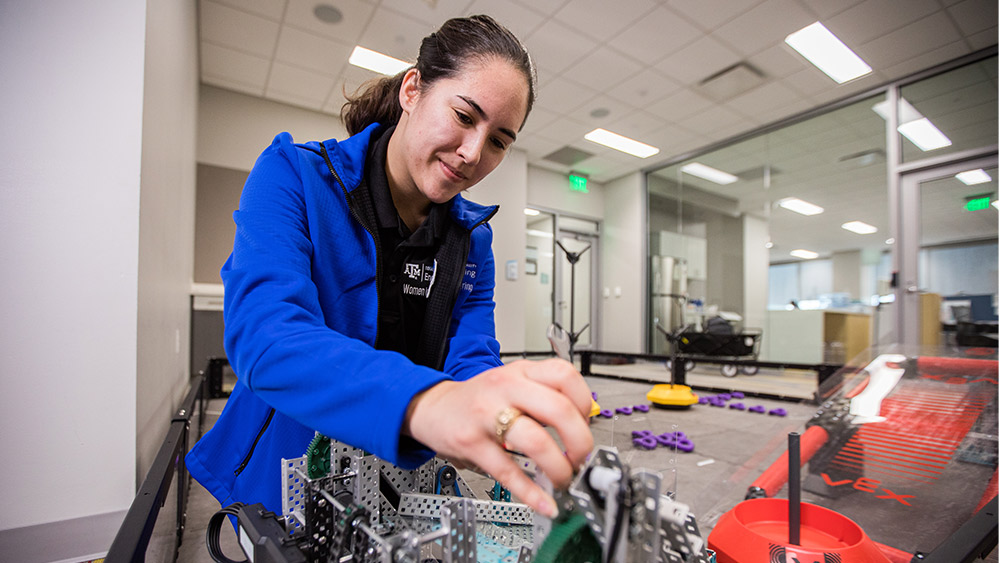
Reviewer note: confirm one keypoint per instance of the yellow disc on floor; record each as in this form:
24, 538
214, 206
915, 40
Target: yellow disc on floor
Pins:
670, 395
595, 409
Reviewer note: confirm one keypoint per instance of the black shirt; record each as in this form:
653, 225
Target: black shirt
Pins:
406, 260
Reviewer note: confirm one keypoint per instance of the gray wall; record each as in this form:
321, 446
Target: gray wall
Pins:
218, 196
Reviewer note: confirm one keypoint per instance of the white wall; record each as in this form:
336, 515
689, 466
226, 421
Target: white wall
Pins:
71, 106
623, 257
507, 186
233, 129
550, 190
166, 220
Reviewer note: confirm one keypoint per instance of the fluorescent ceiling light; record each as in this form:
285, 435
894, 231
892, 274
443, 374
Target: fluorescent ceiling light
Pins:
859, 227
373, 60
708, 173
797, 205
620, 143
973, 177
914, 126
531, 212
806, 254
923, 134
828, 53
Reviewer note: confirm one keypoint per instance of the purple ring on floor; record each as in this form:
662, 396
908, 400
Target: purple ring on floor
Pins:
685, 445
647, 442
641, 408
757, 409
641, 433
624, 410
607, 413
738, 394
738, 406
778, 412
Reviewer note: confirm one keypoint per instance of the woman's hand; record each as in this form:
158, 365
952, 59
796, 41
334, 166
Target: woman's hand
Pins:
459, 421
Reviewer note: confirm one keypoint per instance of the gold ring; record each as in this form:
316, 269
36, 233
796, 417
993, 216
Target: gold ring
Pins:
505, 419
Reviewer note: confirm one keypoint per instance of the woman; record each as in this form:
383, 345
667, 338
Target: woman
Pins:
359, 294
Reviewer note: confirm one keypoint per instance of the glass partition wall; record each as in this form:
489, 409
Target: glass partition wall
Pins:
798, 230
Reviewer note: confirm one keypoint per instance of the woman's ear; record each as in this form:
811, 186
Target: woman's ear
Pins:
409, 90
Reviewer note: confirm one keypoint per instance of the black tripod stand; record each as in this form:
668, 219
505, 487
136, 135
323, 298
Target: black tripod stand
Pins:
574, 336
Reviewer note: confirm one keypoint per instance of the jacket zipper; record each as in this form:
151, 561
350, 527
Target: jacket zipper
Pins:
354, 213
246, 460
458, 287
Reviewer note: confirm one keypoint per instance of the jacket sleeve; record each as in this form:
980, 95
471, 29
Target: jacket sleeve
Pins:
276, 337
473, 346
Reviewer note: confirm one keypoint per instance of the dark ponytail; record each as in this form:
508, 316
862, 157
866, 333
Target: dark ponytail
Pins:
442, 55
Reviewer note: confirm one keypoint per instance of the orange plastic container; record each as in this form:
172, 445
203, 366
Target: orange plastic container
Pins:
756, 531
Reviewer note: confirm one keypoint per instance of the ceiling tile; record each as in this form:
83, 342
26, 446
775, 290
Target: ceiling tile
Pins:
764, 26
615, 110
778, 61
270, 9
356, 15
783, 112
395, 35
983, 39
347, 83
601, 19
547, 7
915, 39
676, 106
765, 98
809, 81
826, 8
562, 95
556, 47
655, 36
307, 87
974, 16
227, 65
636, 124
602, 68
874, 18
710, 14
567, 130
711, 120
537, 120
431, 13
306, 50
521, 20
698, 61
296, 99
644, 88
224, 26
537, 145
927, 60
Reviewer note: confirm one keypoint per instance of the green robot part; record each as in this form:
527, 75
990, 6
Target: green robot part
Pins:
570, 541
318, 456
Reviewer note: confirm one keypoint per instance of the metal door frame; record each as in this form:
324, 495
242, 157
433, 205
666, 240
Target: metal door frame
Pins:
562, 268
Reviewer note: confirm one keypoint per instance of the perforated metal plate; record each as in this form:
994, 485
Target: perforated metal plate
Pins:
429, 506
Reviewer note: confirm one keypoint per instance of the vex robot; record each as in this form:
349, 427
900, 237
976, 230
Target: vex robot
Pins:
342, 504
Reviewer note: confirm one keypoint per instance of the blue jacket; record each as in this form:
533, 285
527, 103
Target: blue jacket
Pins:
301, 309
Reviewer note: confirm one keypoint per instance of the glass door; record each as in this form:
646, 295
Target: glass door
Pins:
948, 252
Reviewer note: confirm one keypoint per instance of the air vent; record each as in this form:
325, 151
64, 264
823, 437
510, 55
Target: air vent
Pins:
731, 82
864, 158
568, 156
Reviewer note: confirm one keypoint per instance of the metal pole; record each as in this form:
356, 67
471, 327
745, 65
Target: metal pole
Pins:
794, 489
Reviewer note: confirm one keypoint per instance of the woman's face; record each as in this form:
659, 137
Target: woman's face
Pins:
458, 129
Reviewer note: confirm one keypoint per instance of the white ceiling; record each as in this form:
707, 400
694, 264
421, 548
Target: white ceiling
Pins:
642, 60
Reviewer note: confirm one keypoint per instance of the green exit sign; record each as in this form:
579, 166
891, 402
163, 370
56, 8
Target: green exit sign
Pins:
579, 183
977, 204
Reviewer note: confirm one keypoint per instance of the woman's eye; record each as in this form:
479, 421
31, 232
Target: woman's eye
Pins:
499, 144
463, 118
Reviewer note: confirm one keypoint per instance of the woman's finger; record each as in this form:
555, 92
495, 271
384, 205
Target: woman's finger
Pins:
497, 463
563, 377
549, 407
529, 438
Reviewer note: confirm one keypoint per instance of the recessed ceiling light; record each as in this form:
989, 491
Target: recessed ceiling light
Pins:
914, 126
327, 13
924, 134
768, 244
973, 177
708, 173
797, 205
373, 60
531, 212
828, 53
890, 240
620, 143
859, 227
805, 254
598, 113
